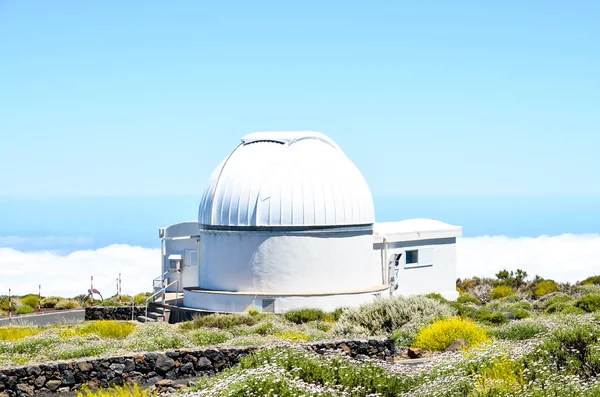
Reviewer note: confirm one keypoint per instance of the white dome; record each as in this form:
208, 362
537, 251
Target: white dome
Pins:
295, 179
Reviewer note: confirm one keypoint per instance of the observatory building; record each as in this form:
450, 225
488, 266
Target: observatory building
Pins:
287, 221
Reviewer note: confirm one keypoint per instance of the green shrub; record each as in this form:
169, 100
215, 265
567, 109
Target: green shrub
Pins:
301, 316
385, 316
66, 304
140, 299
553, 298
563, 307
521, 314
334, 315
486, 316
108, 303
221, 321
573, 350
206, 337
439, 335
572, 310
50, 302
510, 299
501, 291
589, 303
30, 300
521, 305
545, 287
520, 330
468, 298
594, 280
24, 309
437, 297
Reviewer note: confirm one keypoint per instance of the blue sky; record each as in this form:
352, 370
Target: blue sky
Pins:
428, 98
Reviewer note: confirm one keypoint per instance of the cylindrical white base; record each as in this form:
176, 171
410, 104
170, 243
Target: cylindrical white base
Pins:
306, 263
235, 303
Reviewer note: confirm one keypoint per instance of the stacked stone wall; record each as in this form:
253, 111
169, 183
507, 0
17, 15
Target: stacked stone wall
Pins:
149, 368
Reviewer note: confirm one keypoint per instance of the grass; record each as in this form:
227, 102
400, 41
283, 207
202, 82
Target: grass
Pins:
108, 329
117, 391
520, 330
221, 321
565, 362
12, 334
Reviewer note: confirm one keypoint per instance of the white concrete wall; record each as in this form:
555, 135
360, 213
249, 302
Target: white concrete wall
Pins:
439, 278
189, 274
325, 262
230, 303
177, 240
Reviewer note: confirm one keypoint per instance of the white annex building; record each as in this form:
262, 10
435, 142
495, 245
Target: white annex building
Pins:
287, 221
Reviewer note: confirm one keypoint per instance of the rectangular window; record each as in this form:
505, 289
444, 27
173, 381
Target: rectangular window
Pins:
420, 258
412, 257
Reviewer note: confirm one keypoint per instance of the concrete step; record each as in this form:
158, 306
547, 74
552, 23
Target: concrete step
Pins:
144, 319
156, 316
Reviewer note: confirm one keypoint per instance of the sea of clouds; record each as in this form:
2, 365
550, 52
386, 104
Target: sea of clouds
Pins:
567, 258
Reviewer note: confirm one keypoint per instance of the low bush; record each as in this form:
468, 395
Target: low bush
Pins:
30, 300
468, 298
594, 280
487, 316
385, 316
510, 299
501, 291
520, 314
108, 303
545, 287
301, 316
221, 321
520, 330
332, 317
140, 299
521, 305
439, 335
574, 349
66, 304
553, 298
437, 297
207, 337
589, 303
24, 309
50, 302
564, 308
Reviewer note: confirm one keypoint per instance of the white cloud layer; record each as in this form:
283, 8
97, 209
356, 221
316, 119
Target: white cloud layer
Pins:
563, 258
69, 275
568, 257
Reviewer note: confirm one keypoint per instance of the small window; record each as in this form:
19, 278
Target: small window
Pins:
268, 305
412, 257
174, 264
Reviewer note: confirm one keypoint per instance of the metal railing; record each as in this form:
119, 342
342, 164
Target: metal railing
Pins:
163, 290
158, 282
